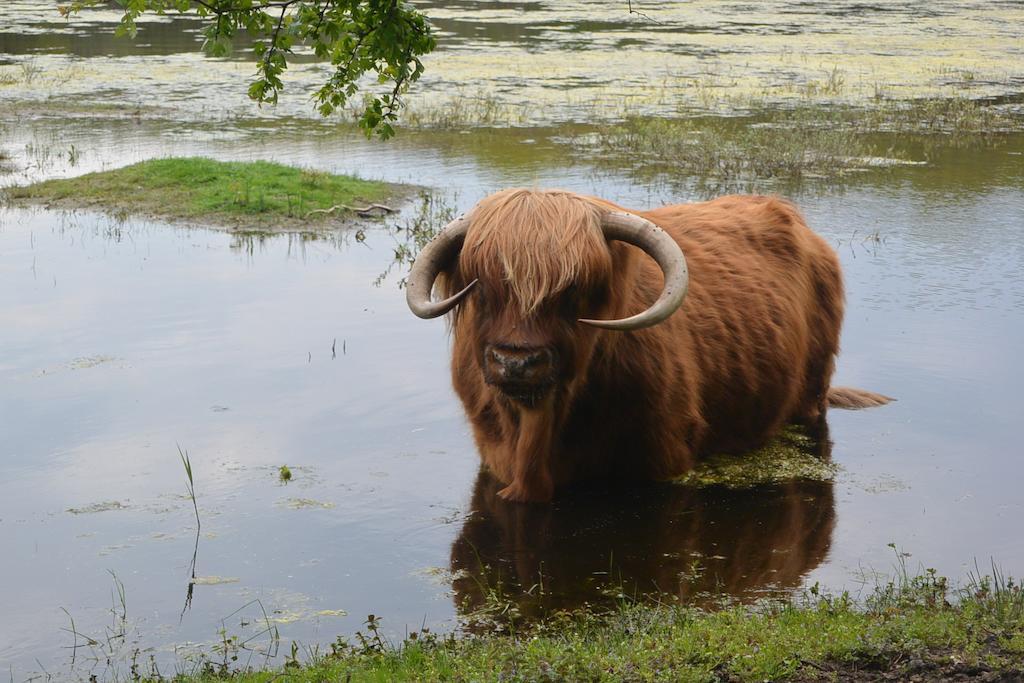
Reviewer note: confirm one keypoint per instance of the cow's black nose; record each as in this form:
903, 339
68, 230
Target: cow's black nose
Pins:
520, 366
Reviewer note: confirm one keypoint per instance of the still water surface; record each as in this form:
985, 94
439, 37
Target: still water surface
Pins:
122, 342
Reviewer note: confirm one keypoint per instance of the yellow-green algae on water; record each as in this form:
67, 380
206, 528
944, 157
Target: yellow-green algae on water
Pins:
790, 455
253, 195
551, 62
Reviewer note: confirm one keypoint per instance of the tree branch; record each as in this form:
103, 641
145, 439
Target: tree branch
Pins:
362, 211
641, 14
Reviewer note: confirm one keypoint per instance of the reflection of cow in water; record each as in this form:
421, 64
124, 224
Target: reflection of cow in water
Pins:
659, 538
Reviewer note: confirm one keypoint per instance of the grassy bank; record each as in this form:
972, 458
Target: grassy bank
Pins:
257, 195
908, 629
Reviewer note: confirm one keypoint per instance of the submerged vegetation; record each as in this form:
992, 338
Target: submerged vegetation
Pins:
807, 142
753, 147
432, 212
240, 195
732, 149
912, 627
790, 455
745, 142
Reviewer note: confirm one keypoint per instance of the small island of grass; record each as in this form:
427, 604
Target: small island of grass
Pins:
254, 195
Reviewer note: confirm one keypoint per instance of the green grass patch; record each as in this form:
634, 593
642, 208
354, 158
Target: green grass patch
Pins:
910, 628
243, 195
790, 455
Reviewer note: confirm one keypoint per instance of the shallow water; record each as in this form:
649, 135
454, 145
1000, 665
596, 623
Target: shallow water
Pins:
122, 342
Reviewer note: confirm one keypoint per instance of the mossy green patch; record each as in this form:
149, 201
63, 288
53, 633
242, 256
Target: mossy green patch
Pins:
258, 195
790, 455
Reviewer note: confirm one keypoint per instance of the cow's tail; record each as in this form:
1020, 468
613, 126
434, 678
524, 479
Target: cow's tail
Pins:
849, 398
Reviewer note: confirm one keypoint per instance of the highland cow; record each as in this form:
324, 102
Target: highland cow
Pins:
576, 355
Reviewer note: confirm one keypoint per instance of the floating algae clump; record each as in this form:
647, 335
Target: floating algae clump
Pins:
102, 506
790, 455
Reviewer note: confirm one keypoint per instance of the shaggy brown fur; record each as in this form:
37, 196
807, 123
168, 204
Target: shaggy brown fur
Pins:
752, 347
855, 399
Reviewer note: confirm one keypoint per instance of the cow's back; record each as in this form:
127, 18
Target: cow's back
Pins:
762, 316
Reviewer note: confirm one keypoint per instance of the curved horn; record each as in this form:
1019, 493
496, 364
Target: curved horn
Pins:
660, 246
431, 260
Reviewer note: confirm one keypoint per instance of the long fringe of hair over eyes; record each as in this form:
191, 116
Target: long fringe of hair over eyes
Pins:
533, 244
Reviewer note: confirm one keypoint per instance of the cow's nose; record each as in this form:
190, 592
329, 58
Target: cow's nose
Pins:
525, 365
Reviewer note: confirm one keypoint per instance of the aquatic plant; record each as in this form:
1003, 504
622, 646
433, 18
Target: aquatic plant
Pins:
430, 214
191, 488
789, 456
820, 143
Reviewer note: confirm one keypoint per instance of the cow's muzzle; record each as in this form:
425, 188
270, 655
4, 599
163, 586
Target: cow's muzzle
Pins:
525, 375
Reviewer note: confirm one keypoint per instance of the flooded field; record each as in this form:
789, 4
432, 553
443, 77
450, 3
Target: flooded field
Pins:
126, 342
